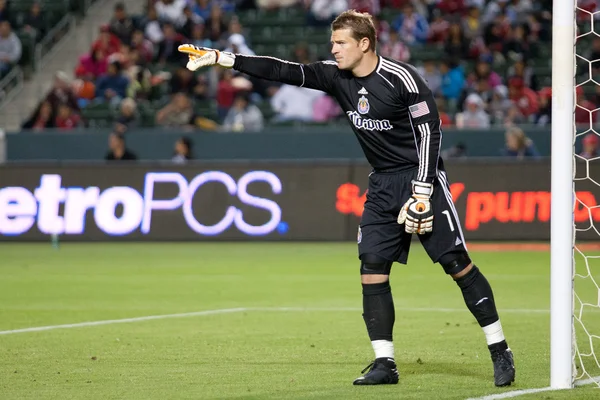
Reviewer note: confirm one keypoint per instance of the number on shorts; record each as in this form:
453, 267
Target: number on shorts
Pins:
449, 220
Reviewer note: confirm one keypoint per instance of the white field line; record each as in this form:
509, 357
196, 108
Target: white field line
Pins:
506, 395
243, 309
515, 393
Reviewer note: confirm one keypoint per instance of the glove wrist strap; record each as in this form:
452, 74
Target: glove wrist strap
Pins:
225, 59
422, 188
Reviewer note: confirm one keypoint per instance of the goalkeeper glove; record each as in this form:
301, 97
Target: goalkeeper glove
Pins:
417, 214
204, 57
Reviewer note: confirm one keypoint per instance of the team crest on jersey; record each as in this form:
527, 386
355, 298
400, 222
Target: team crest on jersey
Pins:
363, 105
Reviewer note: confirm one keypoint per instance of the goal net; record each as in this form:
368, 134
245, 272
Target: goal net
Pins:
586, 191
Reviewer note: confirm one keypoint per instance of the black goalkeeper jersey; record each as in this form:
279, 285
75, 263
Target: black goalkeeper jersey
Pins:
392, 110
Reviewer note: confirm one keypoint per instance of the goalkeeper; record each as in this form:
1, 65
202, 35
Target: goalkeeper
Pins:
394, 116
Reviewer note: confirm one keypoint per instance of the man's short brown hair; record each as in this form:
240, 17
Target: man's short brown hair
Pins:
361, 25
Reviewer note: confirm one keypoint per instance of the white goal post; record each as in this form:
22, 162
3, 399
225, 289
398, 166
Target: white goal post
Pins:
562, 202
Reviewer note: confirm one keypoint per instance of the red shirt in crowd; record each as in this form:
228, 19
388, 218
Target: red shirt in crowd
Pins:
69, 122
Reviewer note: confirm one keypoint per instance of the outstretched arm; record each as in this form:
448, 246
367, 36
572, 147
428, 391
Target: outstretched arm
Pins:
317, 75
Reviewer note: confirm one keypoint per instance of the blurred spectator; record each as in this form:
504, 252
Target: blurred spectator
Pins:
432, 75
84, 90
373, 7
451, 7
524, 98
237, 45
236, 27
275, 4
243, 116
520, 70
544, 114
534, 28
198, 38
445, 119
62, 93
323, 12
517, 47
177, 113
590, 143
120, 24
141, 82
301, 53
395, 48
4, 13
33, 23
143, 46
293, 103
471, 24
185, 81
457, 45
91, 65
518, 145
170, 10
10, 47
66, 118
167, 49
459, 150
215, 25
483, 71
499, 105
412, 27
382, 30
453, 82
583, 114
153, 30
112, 86
474, 116
42, 118
203, 123
225, 93
107, 44
493, 10
495, 34
438, 29
517, 10
202, 9
117, 149
128, 116
123, 57
183, 150
189, 21
325, 108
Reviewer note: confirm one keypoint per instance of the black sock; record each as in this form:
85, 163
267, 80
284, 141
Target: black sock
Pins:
499, 347
478, 296
378, 310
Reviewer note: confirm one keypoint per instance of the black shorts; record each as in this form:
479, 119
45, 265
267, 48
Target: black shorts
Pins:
379, 232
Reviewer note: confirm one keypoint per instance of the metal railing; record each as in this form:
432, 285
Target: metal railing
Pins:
11, 85
53, 41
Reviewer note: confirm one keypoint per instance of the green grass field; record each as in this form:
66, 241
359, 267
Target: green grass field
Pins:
295, 331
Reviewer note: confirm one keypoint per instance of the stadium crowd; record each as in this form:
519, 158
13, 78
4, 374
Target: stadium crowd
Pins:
487, 75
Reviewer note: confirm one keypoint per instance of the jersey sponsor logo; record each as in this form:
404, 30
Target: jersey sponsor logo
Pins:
363, 105
369, 124
363, 91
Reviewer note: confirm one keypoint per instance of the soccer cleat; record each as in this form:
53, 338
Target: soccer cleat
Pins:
504, 367
382, 371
